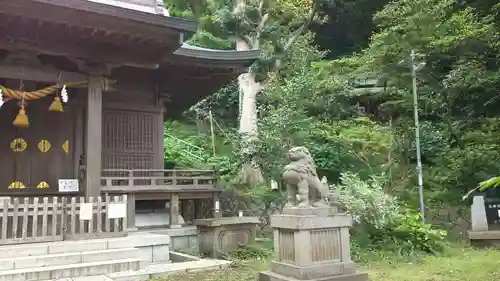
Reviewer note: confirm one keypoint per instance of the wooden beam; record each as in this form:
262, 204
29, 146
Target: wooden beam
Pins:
131, 212
74, 50
93, 147
47, 75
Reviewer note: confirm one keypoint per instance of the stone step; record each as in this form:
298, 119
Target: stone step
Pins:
70, 270
164, 269
86, 278
23, 262
37, 249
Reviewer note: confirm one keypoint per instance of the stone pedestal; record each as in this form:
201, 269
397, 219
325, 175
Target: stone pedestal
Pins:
223, 235
312, 244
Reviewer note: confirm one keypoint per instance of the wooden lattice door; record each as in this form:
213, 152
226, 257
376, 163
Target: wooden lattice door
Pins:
129, 140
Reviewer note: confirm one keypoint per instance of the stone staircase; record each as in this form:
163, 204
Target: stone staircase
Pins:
69, 259
140, 256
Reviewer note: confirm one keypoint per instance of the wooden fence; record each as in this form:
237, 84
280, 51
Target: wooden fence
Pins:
34, 219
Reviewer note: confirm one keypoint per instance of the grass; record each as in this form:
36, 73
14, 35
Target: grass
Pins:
456, 264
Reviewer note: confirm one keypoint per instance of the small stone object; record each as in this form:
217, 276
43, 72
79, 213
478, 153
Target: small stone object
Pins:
304, 188
479, 220
274, 185
324, 180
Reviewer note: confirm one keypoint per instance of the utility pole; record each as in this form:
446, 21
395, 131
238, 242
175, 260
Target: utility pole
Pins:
414, 69
212, 133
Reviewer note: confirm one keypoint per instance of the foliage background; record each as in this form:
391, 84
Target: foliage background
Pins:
345, 92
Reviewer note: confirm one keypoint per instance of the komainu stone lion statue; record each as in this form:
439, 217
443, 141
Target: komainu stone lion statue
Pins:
301, 179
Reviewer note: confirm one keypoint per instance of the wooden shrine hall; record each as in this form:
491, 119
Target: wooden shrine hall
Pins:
86, 86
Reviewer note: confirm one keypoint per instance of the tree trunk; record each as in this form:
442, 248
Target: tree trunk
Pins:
249, 88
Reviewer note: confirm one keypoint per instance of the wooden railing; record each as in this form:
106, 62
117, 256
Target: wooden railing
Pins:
156, 180
34, 219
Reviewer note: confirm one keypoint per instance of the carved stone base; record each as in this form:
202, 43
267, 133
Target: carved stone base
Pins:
313, 271
270, 276
312, 244
311, 211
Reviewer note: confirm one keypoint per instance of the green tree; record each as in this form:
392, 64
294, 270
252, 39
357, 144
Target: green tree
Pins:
273, 26
459, 99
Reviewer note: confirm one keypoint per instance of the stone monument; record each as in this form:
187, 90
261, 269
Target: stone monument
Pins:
485, 222
311, 239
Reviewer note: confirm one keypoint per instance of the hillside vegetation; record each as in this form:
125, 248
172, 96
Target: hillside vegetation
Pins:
336, 76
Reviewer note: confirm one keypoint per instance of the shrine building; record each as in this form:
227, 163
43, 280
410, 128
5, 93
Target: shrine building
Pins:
86, 87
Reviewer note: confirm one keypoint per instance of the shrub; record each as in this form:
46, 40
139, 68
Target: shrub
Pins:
366, 201
381, 222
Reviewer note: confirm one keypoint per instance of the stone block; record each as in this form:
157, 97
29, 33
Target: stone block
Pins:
38, 275
143, 240
180, 243
230, 221
270, 276
312, 244
478, 215
161, 253
92, 278
303, 222
193, 241
313, 271
47, 260
6, 264
145, 254
175, 232
107, 255
222, 235
78, 246
131, 277
24, 250
316, 211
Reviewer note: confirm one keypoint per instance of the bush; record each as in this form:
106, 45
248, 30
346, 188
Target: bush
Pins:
406, 235
366, 201
409, 229
381, 222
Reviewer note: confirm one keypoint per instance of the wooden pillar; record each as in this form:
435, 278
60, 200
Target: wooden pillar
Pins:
217, 210
198, 210
185, 211
131, 212
93, 147
174, 211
